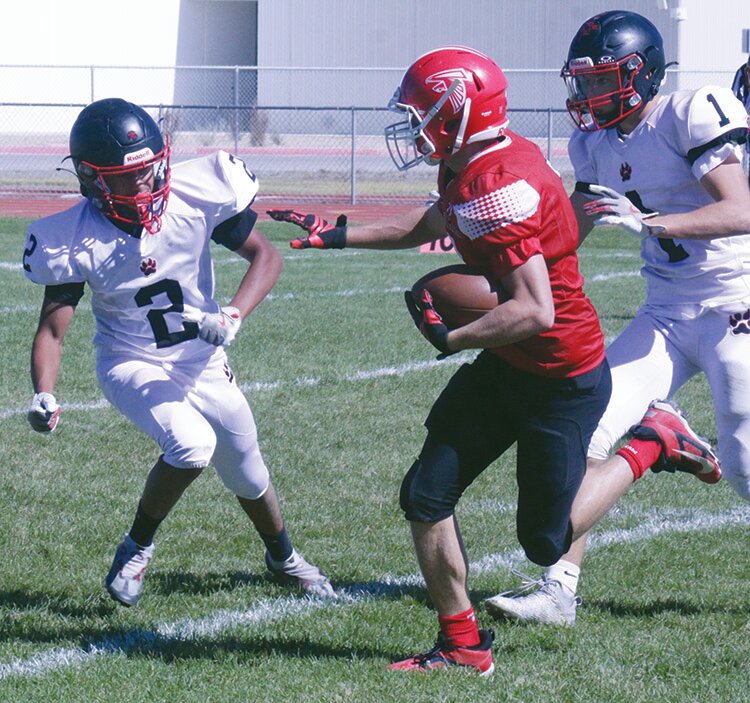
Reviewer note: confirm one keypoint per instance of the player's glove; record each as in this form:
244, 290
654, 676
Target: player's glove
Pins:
43, 413
428, 321
616, 209
217, 328
321, 235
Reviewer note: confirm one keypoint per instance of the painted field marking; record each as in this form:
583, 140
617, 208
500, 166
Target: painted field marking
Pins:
270, 610
270, 386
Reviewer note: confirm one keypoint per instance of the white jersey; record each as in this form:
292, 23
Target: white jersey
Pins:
659, 166
140, 287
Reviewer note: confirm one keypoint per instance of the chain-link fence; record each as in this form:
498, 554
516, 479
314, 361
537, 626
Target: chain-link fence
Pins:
304, 146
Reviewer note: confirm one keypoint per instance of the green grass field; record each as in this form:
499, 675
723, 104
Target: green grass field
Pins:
340, 382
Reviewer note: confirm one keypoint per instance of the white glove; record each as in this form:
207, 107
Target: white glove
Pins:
217, 328
44, 412
616, 209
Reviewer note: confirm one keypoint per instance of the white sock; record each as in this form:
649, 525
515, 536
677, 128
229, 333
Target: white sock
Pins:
566, 573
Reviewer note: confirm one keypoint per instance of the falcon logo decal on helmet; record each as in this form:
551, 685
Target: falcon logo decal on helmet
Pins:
442, 81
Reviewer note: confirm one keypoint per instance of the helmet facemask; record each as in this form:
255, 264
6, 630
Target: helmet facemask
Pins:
408, 141
137, 209
601, 96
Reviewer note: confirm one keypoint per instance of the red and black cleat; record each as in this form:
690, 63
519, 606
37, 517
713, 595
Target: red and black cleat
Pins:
682, 449
444, 655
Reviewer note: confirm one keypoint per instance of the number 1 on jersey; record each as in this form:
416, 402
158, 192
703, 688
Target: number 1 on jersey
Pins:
676, 252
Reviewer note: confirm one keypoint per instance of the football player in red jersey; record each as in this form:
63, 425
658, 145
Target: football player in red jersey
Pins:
541, 381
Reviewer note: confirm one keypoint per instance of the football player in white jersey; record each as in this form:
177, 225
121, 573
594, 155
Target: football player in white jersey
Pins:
667, 169
140, 240
741, 88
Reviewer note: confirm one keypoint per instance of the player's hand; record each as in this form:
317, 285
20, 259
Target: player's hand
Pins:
217, 328
616, 209
43, 413
320, 234
428, 321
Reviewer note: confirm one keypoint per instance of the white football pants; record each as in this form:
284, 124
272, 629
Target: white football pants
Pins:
654, 357
194, 411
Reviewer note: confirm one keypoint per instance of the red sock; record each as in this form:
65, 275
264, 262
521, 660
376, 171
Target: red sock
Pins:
460, 629
641, 454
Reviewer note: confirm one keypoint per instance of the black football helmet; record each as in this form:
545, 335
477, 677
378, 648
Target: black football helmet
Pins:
113, 138
615, 66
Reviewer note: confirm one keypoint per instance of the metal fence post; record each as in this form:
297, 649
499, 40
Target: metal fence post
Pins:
549, 134
353, 161
91, 81
236, 122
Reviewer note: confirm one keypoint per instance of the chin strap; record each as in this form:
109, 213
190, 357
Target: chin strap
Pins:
462, 127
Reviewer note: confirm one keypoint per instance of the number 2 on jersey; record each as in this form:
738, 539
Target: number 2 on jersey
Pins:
156, 316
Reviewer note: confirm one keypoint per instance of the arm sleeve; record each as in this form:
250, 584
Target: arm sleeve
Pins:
47, 259
240, 182
506, 217
711, 126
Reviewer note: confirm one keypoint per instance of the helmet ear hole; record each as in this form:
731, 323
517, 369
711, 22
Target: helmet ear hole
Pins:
450, 126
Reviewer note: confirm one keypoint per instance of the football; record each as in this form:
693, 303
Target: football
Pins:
460, 293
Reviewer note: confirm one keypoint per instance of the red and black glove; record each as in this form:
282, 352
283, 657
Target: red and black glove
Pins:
428, 321
320, 235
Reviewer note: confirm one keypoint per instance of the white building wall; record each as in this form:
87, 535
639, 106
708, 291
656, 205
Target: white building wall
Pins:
524, 36
518, 34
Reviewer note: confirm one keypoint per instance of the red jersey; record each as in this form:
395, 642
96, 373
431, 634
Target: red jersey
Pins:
507, 205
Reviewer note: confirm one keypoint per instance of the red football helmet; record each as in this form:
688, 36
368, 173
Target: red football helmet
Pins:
450, 97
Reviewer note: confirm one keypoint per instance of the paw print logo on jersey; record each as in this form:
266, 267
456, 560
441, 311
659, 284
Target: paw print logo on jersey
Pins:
626, 171
148, 266
740, 322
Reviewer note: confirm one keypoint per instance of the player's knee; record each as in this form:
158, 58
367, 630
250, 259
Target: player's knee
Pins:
739, 482
187, 456
601, 444
541, 548
418, 501
250, 483
735, 464
188, 447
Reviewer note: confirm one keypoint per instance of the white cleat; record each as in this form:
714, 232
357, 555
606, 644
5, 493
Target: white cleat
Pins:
296, 571
125, 578
549, 604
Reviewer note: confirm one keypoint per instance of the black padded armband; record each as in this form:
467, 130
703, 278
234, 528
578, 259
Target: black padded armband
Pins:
733, 136
64, 293
233, 232
584, 188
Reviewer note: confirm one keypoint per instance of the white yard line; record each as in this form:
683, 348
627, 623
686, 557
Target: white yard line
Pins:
269, 610
271, 386
612, 276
